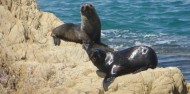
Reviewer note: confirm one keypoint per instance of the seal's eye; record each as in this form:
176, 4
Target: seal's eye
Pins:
91, 5
82, 8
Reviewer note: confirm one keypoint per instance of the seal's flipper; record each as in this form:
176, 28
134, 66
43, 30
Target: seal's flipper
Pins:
107, 81
105, 85
110, 77
87, 45
57, 41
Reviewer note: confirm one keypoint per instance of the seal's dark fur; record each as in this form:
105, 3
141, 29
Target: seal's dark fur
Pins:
131, 60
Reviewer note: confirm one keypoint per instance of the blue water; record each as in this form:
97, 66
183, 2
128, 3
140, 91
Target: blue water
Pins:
163, 25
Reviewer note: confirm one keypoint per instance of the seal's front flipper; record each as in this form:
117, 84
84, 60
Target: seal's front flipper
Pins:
57, 41
110, 77
87, 44
107, 81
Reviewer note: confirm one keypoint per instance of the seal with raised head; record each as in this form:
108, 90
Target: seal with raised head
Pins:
89, 30
130, 60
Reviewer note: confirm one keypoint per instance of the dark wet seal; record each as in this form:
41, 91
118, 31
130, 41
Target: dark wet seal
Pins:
88, 30
131, 60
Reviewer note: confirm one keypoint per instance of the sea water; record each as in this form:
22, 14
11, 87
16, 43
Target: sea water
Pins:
163, 25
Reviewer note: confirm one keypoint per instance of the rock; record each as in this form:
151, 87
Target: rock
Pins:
156, 81
31, 64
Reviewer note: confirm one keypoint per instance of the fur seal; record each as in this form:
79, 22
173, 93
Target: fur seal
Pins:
130, 60
90, 23
88, 30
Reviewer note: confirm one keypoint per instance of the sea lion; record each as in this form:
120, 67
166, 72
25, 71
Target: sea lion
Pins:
90, 23
88, 30
130, 60
69, 32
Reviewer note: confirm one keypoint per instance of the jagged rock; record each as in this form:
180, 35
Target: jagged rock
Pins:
31, 64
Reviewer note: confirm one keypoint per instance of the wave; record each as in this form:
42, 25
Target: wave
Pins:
162, 41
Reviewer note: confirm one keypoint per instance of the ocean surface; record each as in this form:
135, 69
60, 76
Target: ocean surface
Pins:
163, 25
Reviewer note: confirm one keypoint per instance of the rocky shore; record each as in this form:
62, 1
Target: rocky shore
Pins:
31, 64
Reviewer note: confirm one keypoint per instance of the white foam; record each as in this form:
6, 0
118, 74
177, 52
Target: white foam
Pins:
116, 47
150, 35
138, 43
164, 41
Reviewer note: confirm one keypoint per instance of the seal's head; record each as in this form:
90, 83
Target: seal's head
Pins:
97, 56
88, 10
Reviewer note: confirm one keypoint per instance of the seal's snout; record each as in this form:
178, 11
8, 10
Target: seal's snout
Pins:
94, 53
86, 7
82, 8
89, 6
